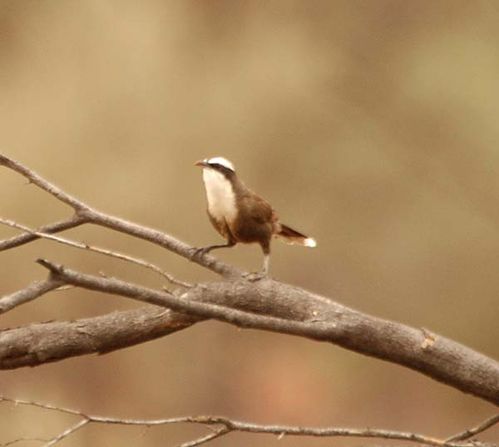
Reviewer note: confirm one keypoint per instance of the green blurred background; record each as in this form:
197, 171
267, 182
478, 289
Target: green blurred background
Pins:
370, 125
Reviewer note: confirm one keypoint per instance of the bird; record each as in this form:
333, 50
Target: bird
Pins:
240, 215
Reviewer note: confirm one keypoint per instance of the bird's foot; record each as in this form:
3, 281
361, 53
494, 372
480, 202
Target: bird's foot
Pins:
199, 252
255, 276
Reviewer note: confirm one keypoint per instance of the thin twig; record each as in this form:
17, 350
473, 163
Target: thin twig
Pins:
95, 249
69, 431
209, 437
55, 227
467, 434
228, 425
15, 441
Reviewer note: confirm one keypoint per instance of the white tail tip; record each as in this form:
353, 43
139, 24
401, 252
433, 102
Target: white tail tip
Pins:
310, 242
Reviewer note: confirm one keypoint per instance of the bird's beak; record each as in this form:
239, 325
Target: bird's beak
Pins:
201, 163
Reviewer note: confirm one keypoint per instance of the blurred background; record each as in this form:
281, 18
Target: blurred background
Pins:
369, 125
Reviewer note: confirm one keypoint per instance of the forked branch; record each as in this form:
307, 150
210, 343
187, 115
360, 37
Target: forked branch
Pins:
226, 425
83, 213
265, 305
99, 250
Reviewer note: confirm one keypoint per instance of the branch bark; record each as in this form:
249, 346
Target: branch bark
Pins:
470, 432
55, 227
277, 307
35, 290
226, 425
267, 305
84, 213
41, 343
88, 247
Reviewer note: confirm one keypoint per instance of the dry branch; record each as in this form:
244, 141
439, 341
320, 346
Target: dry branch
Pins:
55, 227
266, 305
41, 343
86, 214
226, 425
99, 250
35, 290
272, 306
470, 432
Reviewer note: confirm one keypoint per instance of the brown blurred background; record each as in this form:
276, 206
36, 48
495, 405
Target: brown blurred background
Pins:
370, 125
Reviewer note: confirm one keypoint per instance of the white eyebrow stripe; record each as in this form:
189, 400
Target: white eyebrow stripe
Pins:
221, 161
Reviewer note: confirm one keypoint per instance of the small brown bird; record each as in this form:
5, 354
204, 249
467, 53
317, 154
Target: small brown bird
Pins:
240, 215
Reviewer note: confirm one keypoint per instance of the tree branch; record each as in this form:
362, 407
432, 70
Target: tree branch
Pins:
55, 227
206, 438
86, 214
470, 432
272, 306
267, 305
226, 425
41, 343
43, 184
35, 290
69, 431
102, 251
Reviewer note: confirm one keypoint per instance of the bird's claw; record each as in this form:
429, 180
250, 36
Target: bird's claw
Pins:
255, 276
199, 252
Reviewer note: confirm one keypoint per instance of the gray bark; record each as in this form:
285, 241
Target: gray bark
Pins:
265, 305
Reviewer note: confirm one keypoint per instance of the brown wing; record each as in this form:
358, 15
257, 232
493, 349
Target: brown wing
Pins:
260, 210
255, 221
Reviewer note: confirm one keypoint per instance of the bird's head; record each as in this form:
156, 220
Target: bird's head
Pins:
219, 164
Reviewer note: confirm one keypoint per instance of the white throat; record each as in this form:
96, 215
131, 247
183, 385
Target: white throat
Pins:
220, 195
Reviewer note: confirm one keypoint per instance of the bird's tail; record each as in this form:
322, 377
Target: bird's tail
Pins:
293, 237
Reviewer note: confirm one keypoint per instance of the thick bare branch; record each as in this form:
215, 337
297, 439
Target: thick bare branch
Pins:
267, 305
35, 290
40, 343
277, 307
226, 425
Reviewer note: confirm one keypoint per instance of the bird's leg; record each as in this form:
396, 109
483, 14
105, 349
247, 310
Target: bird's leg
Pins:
204, 250
264, 272
266, 264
